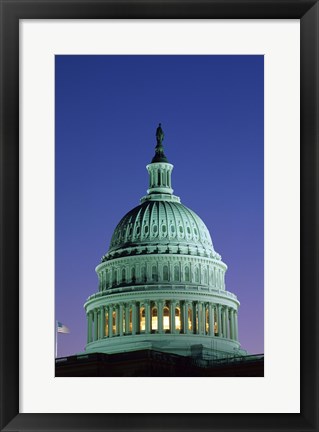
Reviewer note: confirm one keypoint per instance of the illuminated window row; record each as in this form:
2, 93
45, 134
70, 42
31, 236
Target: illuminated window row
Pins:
169, 316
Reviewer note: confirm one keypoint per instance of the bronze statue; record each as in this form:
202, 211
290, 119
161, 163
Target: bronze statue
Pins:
159, 134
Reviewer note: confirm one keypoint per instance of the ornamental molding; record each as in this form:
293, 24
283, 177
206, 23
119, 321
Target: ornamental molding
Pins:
179, 296
159, 258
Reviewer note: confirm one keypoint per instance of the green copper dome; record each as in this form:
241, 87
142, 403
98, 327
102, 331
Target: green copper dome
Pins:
161, 222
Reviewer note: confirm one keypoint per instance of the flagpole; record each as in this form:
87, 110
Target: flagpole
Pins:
56, 339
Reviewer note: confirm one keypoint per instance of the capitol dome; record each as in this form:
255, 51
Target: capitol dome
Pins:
163, 221
161, 283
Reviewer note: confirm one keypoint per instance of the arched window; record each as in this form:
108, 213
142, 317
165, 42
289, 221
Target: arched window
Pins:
154, 322
207, 321
143, 274
166, 318
205, 277
167, 173
165, 273
142, 318
197, 275
154, 273
133, 275
159, 178
187, 278
176, 273
123, 275
107, 278
114, 277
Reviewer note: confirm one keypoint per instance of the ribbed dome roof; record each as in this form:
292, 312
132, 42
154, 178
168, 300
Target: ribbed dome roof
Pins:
156, 222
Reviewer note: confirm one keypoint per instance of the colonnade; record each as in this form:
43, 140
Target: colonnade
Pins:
162, 316
153, 272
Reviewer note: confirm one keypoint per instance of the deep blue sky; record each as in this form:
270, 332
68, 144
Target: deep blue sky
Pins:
107, 111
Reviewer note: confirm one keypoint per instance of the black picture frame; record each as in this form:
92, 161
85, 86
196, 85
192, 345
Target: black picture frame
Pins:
11, 12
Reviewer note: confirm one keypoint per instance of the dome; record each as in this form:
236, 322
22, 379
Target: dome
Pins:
162, 222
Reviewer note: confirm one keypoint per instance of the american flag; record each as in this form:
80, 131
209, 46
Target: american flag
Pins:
62, 328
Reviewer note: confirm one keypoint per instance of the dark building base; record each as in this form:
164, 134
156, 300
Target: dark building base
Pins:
149, 363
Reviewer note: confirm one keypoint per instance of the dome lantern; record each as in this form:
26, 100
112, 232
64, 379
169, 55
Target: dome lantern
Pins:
160, 173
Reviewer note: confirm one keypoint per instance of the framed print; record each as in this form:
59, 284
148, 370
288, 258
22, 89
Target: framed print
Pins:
65, 66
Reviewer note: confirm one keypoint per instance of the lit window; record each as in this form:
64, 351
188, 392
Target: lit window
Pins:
130, 321
107, 324
166, 318
114, 323
154, 318
177, 319
142, 319
190, 319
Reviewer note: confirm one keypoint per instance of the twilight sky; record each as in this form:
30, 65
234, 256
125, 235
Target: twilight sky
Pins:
107, 109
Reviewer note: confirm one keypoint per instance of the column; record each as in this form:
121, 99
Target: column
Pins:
232, 323
219, 322
110, 321
133, 318
204, 317
160, 316
227, 322
147, 317
236, 325
117, 319
193, 309
127, 318
138, 317
89, 321
102, 322
183, 317
224, 321
172, 316
95, 324
210, 319
200, 317
121, 320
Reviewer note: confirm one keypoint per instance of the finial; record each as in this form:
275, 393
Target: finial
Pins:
159, 151
159, 134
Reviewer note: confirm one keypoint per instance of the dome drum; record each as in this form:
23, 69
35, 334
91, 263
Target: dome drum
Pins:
124, 322
164, 269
